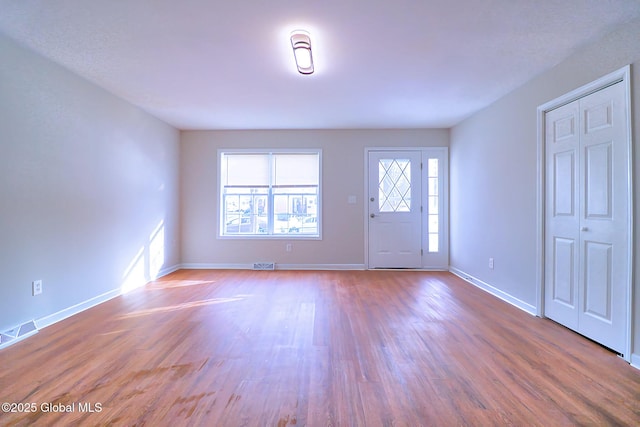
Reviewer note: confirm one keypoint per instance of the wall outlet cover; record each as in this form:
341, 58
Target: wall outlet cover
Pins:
36, 287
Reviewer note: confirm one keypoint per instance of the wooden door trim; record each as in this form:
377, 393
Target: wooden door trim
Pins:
623, 76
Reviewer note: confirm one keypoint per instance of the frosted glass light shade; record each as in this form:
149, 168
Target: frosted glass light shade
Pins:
301, 44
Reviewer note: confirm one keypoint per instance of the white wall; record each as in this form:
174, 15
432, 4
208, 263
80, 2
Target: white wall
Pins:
343, 175
493, 171
85, 179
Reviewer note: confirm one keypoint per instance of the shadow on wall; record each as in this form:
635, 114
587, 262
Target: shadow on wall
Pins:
147, 263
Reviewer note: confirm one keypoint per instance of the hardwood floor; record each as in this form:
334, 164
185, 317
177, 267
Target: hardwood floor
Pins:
321, 348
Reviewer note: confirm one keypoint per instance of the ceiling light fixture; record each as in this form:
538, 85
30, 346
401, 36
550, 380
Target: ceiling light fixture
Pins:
301, 43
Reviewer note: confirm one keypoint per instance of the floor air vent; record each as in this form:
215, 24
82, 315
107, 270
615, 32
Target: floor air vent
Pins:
264, 266
16, 334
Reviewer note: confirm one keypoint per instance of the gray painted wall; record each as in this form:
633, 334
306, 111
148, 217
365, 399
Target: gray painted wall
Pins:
494, 170
85, 179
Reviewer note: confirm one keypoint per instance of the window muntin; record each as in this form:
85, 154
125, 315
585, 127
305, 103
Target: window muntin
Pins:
270, 193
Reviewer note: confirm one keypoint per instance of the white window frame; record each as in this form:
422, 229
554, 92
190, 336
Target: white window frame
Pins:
283, 236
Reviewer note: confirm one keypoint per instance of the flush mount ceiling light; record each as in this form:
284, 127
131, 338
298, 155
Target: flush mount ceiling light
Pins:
301, 43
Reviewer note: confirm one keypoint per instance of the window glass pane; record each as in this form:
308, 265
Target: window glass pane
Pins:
240, 225
285, 221
244, 213
309, 222
433, 205
433, 242
394, 188
433, 223
433, 186
295, 211
231, 203
432, 167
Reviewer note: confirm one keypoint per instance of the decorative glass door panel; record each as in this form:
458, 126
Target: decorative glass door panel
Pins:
394, 188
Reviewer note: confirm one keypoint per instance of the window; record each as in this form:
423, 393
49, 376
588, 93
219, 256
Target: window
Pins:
433, 202
270, 193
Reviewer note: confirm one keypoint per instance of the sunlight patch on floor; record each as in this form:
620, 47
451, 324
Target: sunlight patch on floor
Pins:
177, 307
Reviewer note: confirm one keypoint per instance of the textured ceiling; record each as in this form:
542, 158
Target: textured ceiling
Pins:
202, 64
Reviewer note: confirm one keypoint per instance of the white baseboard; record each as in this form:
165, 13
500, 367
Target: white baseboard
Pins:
49, 320
18, 339
167, 270
494, 291
319, 266
635, 360
212, 266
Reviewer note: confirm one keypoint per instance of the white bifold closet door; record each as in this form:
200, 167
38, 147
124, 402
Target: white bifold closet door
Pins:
587, 215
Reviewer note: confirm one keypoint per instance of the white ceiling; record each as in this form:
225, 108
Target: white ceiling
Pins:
204, 64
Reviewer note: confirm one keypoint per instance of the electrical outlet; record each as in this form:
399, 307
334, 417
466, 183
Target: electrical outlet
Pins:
289, 247
36, 287
491, 263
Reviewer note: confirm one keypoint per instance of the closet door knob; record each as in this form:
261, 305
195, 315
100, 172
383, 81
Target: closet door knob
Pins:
584, 229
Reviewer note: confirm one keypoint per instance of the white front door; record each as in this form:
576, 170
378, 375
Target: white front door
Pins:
587, 215
394, 209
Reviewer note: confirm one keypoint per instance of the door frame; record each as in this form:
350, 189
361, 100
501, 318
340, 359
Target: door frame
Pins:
443, 152
623, 76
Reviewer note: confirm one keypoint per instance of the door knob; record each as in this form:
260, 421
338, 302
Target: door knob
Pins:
372, 199
584, 229
372, 215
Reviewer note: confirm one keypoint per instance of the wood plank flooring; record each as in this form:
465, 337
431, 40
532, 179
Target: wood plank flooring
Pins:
316, 348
